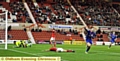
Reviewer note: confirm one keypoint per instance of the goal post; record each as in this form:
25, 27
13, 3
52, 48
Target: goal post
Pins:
6, 26
3, 30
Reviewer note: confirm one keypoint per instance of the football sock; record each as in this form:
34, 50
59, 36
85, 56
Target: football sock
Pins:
54, 44
88, 48
70, 51
109, 46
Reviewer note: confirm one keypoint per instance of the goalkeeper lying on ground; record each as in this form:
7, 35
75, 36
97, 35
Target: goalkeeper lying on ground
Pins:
21, 43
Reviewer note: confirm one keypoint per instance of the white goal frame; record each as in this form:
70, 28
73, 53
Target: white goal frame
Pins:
6, 31
6, 27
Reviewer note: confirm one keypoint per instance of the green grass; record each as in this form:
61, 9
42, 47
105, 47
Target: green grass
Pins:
97, 53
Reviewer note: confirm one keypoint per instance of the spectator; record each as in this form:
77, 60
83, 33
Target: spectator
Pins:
75, 32
9, 36
63, 32
25, 29
98, 31
9, 28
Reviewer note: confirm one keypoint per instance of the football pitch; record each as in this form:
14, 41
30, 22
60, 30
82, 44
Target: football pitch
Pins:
97, 53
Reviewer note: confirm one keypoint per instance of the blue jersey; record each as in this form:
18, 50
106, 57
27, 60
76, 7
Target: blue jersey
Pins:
112, 37
89, 36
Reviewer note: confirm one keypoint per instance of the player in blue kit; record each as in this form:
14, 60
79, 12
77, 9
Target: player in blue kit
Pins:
113, 38
90, 34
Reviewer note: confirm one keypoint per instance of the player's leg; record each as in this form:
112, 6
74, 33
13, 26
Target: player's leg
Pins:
63, 50
88, 47
60, 50
54, 43
110, 45
70, 50
51, 41
29, 45
24, 45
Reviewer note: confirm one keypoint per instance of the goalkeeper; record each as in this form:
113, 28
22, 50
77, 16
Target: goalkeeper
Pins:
28, 43
17, 43
21, 43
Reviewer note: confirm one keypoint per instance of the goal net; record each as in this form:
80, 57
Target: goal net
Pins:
3, 30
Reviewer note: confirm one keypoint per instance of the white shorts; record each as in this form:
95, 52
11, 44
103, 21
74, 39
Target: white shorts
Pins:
60, 49
52, 38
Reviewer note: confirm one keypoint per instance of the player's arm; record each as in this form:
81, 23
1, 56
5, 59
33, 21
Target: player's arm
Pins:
85, 29
116, 38
109, 36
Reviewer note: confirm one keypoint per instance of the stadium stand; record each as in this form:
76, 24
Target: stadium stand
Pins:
18, 9
2, 34
60, 12
46, 35
18, 35
97, 13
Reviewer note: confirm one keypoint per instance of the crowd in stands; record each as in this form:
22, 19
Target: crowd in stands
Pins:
65, 32
60, 12
2, 18
97, 13
99, 35
117, 7
18, 9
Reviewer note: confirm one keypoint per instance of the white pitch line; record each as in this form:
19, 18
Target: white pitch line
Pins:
29, 53
22, 52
